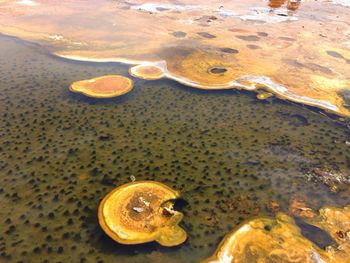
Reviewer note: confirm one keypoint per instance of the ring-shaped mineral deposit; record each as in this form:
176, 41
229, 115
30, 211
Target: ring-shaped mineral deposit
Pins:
140, 212
148, 72
108, 86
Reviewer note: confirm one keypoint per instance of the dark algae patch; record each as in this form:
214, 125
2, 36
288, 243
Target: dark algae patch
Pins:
228, 154
206, 35
179, 34
229, 50
217, 70
249, 38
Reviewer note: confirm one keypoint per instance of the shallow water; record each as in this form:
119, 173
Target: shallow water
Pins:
227, 152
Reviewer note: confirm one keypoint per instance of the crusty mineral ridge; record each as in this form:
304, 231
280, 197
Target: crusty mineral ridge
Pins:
280, 240
336, 222
103, 87
141, 212
297, 50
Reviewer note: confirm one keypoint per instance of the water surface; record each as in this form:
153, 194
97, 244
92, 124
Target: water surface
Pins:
227, 152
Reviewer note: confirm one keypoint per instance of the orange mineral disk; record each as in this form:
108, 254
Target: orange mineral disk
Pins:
103, 87
148, 72
141, 212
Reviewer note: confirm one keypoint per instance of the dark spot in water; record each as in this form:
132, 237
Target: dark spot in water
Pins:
51, 215
249, 38
105, 137
179, 34
253, 46
267, 227
176, 51
36, 250
262, 34
283, 149
180, 204
235, 29
294, 63
287, 38
60, 250
162, 9
320, 237
345, 94
316, 67
213, 18
229, 50
334, 54
206, 35
282, 14
208, 19
217, 70
296, 120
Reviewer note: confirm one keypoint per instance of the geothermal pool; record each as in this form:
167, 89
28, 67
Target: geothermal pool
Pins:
232, 157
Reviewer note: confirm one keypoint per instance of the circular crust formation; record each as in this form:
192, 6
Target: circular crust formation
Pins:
103, 87
140, 212
148, 72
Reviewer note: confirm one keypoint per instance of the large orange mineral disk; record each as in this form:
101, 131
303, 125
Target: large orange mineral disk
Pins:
268, 240
103, 87
148, 72
141, 212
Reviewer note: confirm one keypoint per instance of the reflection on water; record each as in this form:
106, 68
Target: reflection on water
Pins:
231, 156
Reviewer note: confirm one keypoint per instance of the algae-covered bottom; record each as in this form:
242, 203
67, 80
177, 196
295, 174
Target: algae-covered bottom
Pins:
231, 156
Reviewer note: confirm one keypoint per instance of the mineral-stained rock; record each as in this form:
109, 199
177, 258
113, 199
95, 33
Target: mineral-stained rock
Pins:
103, 87
141, 212
280, 239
